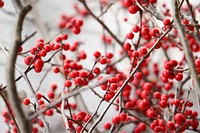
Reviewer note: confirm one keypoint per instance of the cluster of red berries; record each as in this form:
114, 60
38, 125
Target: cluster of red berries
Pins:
172, 71
38, 51
41, 50
133, 7
70, 22
122, 117
81, 118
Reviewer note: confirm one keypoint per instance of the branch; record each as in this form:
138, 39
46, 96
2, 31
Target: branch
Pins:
23, 122
188, 54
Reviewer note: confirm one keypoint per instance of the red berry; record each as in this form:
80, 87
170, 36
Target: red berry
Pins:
76, 30
97, 70
64, 36
152, 1
38, 63
78, 129
58, 39
147, 86
66, 46
116, 120
49, 112
127, 3
68, 83
179, 118
51, 94
47, 47
113, 86
28, 59
142, 126
1, 4
26, 101
123, 116
163, 104
107, 125
166, 22
97, 54
38, 95
143, 50
197, 63
130, 35
56, 69
41, 123
144, 31
171, 125
127, 46
157, 95
109, 55
78, 23
133, 9
179, 76
103, 60
136, 28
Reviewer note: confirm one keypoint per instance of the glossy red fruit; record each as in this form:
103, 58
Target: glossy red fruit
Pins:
49, 112
26, 101
116, 120
107, 125
68, 83
123, 116
179, 118
133, 9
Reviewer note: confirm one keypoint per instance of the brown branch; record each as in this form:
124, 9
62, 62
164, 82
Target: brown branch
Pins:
23, 122
188, 53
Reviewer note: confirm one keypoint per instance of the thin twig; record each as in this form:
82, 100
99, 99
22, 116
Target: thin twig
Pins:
28, 37
41, 81
109, 6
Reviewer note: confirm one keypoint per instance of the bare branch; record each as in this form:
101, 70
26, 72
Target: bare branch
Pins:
23, 122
